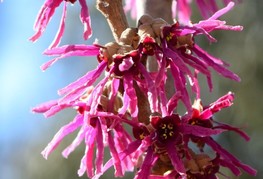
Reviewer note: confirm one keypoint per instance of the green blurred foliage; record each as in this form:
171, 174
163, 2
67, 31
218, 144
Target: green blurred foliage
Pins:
243, 50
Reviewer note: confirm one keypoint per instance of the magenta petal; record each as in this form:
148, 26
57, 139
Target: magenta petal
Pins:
234, 129
90, 144
209, 25
130, 91
163, 100
85, 19
132, 147
87, 80
184, 11
69, 51
44, 107
44, 16
83, 166
55, 109
161, 75
148, 162
152, 91
122, 139
231, 166
178, 61
223, 102
100, 149
75, 143
228, 156
175, 159
172, 103
206, 114
61, 29
125, 105
70, 97
89, 160
114, 91
196, 30
96, 94
198, 130
80, 49
181, 87
222, 11
64, 131
209, 60
115, 156
228, 97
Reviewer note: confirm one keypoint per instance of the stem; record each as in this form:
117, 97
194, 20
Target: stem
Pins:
114, 14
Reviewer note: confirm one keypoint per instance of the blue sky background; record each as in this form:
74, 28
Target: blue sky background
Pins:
23, 85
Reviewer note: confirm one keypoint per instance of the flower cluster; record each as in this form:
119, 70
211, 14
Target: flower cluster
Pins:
163, 143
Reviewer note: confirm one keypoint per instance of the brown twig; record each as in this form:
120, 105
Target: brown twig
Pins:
114, 14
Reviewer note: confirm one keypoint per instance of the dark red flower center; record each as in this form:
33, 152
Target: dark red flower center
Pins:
119, 60
140, 132
166, 128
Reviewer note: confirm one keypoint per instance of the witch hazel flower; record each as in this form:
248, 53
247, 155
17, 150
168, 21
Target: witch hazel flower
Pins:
47, 11
161, 143
203, 116
179, 46
97, 130
159, 147
174, 47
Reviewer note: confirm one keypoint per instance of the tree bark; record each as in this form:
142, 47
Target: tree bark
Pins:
114, 14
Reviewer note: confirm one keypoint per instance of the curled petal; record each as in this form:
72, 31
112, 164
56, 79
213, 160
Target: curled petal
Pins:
115, 157
75, 143
175, 159
87, 80
61, 29
129, 97
64, 131
44, 107
148, 162
199, 131
152, 91
69, 51
44, 16
85, 19
222, 11
228, 156
210, 61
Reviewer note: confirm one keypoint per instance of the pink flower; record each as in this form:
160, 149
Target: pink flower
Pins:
202, 116
104, 107
47, 11
98, 128
180, 51
163, 139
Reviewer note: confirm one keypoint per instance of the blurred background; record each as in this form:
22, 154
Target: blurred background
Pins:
23, 135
